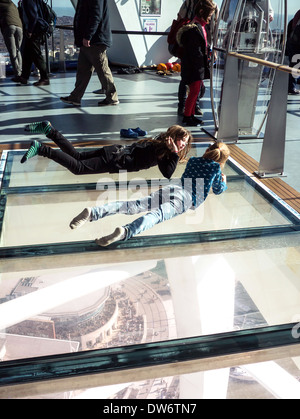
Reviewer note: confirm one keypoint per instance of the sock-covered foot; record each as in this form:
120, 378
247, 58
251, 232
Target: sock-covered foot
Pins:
117, 235
32, 151
43, 127
81, 218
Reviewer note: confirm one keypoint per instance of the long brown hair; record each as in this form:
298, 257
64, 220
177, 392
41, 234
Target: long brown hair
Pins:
176, 132
205, 7
218, 152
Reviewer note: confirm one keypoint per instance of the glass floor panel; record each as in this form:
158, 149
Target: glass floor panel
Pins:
88, 303
66, 299
48, 208
45, 217
41, 171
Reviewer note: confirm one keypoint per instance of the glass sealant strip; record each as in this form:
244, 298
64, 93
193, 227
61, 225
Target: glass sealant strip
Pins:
153, 354
7, 171
3, 198
84, 186
16, 190
166, 240
2, 166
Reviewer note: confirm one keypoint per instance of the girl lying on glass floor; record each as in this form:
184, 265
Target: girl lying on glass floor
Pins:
165, 151
201, 174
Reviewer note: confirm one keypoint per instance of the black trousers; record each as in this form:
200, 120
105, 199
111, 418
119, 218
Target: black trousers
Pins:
79, 163
31, 53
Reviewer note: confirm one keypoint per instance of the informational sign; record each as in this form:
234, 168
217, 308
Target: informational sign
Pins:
150, 25
150, 7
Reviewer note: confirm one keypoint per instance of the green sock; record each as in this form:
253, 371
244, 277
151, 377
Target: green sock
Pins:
43, 127
32, 151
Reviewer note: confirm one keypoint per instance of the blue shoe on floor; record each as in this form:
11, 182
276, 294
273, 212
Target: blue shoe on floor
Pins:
139, 131
128, 133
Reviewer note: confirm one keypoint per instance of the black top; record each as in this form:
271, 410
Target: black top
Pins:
293, 39
194, 63
139, 156
91, 21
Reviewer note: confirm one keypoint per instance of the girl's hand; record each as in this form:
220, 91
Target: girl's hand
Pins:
223, 178
171, 145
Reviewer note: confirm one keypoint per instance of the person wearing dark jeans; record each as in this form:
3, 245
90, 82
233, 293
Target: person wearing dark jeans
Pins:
164, 151
192, 38
31, 49
32, 54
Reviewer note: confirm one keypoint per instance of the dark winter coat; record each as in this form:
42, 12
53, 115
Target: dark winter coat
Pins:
194, 62
91, 22
139, 156
32, 19
293, 35
9, 14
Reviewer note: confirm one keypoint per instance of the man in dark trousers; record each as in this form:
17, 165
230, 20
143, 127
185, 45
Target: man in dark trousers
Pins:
93, 35
32, 41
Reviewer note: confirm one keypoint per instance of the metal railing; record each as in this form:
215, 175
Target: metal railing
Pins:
273, 149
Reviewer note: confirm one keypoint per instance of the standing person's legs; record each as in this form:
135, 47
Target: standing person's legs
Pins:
99, 59
181, 97
84, 73
198, 110
18, 40
27, 58
191, 100
182, 94
11, 39
38, 58
190, 105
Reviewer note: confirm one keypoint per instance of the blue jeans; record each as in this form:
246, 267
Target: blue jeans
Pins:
164, 204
